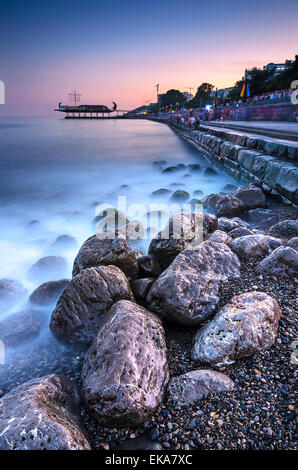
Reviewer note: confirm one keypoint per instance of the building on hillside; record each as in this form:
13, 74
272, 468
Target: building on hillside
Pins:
278, 68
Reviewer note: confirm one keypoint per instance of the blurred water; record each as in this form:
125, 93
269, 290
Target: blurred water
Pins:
53, 172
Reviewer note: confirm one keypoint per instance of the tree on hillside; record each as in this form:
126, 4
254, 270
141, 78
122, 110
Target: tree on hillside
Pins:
172, 97
235, 93
202, 96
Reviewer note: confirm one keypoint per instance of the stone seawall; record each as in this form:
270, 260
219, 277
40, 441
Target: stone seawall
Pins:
272, 165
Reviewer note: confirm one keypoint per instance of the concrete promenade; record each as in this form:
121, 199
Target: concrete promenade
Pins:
277, 131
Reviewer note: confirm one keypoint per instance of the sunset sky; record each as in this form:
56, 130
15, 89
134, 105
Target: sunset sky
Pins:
118, 50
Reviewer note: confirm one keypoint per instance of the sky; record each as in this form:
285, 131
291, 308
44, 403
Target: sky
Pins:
119, 50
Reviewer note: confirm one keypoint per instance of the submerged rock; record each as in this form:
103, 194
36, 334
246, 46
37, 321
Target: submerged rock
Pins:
161, 192
42, 414
80, 310
182, 231
210, 171
170, 169
283, 260
244, 326
125, 371
21, 327
196, 385
229, 205
255, 245
49, 292
229, 188
48, 268
194, 167
97, 251
187, 291
11, 292
180, 196
64, 242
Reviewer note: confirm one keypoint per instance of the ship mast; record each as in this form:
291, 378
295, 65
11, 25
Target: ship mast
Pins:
75, 96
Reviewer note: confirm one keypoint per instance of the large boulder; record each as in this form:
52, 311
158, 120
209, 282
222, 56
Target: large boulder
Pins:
283, 260
229, 206
21, 327
285, 229
80, 310
11, 292
187, 291
48, 268
211, 200
240, 232
252, 196
227, 225
181, 232
196, 385
49, 292
252, 246
244, 326
220, 237
125, 371
148, 265
42, 414
97, 251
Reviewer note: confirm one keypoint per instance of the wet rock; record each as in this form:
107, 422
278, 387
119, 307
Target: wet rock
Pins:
80, 310
42, 414
170, 169
11, 292
180, 196
182, 231
108, 219
198, 384
198, 193
97, 251
229, 206
255, 245
285, 229
229, 188
196, 205
194, 167
293, 243
161, 192
244, 326
49, 292
64, 242
211, 200
148, 266
257, 215
21, 327
240, 232
48, 268
227, 225
210, 171
252, 196
125, 371
283, 260
220, 237
187, 291
141, 287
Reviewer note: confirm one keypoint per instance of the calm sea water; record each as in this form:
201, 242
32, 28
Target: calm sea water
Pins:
53, 173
